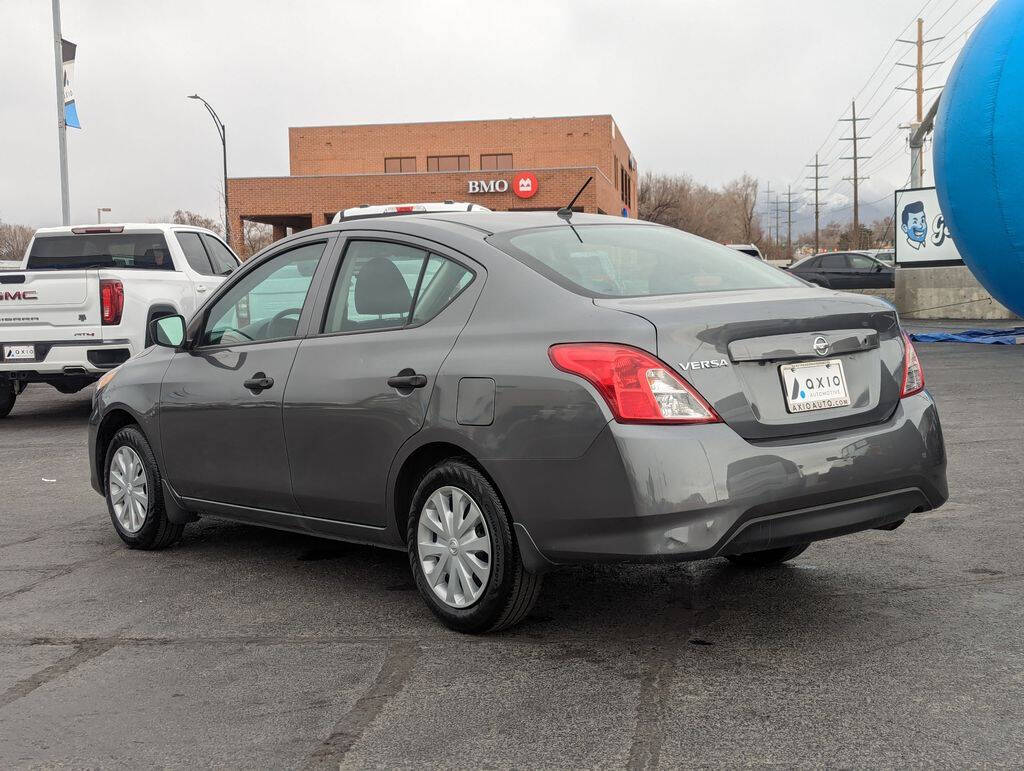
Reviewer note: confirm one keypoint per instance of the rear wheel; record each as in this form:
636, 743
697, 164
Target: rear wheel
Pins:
768, 557
8, 396
463, 554
134, 491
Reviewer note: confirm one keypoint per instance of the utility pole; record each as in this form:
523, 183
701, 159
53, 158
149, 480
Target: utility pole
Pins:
818, 176
789, 222
917, 150
853, 120
768, 207
62, 142
778, 211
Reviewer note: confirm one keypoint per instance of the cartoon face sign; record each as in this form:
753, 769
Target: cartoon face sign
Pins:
915, 224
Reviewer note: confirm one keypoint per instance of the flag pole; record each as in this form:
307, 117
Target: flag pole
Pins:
65, 199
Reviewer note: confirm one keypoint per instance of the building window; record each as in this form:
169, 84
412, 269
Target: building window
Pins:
448, 163
617, 177
495, 161
397, 165
626, 186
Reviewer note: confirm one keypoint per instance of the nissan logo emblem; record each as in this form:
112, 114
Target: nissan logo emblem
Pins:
821, 346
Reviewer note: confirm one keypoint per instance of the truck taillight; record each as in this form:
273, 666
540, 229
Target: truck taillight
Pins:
111, 301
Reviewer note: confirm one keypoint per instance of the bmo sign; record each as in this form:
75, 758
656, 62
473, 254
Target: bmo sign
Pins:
524, 185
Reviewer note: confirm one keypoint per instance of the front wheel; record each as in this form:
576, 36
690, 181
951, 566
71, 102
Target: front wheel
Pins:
463, 554
8, 396
134, 492
768, 557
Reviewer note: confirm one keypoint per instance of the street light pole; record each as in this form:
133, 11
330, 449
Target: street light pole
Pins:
222, 131
99, 214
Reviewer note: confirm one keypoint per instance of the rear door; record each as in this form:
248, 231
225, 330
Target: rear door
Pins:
363, 379
202, 272
834, 269
221, 401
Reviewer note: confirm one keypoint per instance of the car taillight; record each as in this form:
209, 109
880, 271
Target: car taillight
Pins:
111, 301
913, 374
637, 386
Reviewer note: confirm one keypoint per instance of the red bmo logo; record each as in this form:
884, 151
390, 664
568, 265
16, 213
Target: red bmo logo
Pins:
524, 184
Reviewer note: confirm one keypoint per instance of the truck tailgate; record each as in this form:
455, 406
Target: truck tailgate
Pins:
49, 305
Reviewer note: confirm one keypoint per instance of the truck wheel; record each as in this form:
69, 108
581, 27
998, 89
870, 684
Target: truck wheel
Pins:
8, 396
768, 557
134, 492
463, 554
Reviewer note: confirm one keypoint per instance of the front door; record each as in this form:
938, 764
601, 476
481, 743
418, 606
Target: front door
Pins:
361, 383
220, 401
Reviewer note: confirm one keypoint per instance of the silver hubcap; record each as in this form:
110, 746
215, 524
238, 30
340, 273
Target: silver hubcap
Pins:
129, 489
454, 547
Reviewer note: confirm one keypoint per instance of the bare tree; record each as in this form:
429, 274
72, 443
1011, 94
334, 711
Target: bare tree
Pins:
186, 217
14, 241
741, 197
255, 236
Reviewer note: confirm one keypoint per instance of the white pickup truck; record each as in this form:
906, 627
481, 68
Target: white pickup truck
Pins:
84, 298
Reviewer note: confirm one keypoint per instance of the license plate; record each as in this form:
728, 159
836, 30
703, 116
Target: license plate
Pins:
19, 352
814, 385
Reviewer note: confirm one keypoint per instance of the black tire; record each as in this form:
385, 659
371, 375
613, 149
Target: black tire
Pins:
768, 557
511, 590
8, 396
157, 531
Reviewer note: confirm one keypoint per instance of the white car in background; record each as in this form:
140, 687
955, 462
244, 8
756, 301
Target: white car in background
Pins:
750, 249
84, 297
397, 209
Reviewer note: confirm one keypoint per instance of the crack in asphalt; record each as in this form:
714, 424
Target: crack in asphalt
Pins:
56, 573
394, 673
83, 652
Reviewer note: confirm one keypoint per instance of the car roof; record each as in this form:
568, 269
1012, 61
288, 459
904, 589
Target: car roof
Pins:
126, 227
491, 222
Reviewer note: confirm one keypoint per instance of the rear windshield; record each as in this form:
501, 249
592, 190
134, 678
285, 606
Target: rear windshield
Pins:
637, 261
146, 251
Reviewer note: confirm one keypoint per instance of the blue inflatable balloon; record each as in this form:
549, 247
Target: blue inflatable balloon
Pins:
979, 153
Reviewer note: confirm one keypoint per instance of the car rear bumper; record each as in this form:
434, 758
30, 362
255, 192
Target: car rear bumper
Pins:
652, 493
56, 360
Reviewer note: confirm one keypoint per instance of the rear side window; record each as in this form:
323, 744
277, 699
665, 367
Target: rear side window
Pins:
637, 261
834, 262
143, 251
195, 253
385, 285
862, 262
223, 259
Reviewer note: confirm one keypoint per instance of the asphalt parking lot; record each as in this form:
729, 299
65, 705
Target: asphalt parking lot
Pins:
247, 647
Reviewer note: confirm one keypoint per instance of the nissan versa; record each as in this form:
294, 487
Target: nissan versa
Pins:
500, 393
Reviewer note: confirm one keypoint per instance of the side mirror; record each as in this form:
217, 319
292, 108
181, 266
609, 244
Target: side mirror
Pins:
168, 331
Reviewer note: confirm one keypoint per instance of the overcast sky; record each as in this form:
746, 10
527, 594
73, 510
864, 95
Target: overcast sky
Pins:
712, 89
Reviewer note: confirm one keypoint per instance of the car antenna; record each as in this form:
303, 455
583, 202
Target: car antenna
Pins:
566, 211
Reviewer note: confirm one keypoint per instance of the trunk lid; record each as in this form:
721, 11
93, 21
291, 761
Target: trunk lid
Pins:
49, 305
730, 347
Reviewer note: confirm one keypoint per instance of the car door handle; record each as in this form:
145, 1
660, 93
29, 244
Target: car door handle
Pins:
259, 382
411, 380
201, 289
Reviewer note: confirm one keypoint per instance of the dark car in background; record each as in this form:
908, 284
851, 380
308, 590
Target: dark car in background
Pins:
499, 393
845, 270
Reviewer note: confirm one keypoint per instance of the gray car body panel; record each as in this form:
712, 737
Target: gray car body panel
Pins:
578, 484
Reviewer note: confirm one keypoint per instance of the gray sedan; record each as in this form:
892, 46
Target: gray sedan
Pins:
501, 393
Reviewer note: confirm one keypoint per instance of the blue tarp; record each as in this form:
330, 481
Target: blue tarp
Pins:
1013, 336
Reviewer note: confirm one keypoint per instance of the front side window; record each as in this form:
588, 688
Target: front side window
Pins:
448, 163
637, 261
496, 161
144, 251
195, 253
383, 285
223, 259
862, 262
267, 302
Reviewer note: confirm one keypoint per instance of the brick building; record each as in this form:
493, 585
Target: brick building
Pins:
519, 163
